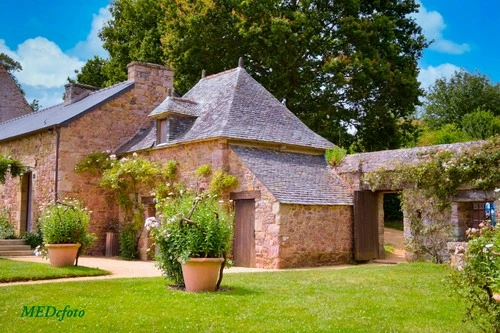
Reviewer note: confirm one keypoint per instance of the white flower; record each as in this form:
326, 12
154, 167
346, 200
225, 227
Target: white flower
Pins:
151, 223
113, 157
134, 154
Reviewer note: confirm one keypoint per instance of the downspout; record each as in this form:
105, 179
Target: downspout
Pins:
58, 145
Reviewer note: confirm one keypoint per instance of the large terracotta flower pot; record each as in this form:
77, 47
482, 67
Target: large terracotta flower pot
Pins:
61, 255
201, 274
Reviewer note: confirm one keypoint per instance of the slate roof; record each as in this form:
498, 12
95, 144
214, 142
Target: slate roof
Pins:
60, 114
388, 160
233, 105
176, 105
295, 178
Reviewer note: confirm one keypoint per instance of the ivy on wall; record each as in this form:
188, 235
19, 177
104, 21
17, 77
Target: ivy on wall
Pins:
9, 165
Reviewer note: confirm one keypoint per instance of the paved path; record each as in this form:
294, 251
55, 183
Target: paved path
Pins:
119, 269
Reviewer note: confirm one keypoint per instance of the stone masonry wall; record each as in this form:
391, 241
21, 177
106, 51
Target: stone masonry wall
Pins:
37, 152
267, 247
106, 128
313, 235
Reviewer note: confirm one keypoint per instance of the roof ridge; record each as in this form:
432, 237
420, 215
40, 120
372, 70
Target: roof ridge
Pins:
107, 88
228, 110
221, 73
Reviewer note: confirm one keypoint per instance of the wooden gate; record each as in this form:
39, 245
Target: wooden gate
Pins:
365, 225
244, 233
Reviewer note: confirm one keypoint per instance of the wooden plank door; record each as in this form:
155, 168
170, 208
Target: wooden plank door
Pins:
26, 198
365, 225
244, 233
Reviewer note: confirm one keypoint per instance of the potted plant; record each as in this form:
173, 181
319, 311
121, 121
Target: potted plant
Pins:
192, 240
64, 227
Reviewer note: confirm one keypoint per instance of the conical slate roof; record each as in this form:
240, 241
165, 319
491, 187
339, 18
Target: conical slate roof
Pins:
233, 105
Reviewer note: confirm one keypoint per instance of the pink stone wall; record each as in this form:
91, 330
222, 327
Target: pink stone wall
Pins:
38, 152
313, 235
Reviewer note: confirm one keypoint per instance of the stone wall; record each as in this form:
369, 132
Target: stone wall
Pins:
12, 102
106, 128
38, 153
313, 235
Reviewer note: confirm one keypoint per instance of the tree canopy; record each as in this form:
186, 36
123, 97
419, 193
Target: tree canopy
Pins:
464, 107
341, 66
449, 100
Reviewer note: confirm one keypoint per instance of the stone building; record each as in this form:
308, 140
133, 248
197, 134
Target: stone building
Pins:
13, 104
290, 210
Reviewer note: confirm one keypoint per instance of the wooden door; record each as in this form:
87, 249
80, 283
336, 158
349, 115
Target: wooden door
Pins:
244, 233
26, 198
365, 225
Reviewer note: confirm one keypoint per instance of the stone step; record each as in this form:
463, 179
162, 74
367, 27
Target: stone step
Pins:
15, 247
12, 242
17, 253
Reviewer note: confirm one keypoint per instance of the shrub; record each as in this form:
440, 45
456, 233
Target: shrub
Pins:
335, 155
203, 170
65, 222
34, 238
478, 279
128, 242
192, 227
7, 230
222, 183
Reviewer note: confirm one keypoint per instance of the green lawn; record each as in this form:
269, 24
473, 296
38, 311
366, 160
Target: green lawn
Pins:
11, 270
402, 298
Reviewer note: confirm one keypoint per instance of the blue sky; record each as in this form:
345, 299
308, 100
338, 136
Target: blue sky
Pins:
52, 38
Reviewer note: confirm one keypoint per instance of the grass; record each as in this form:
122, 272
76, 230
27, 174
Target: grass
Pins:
401, 298
11, 271
398, 225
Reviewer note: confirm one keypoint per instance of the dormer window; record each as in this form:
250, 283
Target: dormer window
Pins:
162, 130
173, 127
174, 118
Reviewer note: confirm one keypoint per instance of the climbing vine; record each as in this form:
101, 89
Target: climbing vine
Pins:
429, 186
9, 165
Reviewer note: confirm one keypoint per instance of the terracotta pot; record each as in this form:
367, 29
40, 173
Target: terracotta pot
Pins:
201, 274
61, 255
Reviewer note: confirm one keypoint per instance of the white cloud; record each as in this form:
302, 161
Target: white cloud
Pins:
44, 64
428, 76
46, 67
433, 25
93, 45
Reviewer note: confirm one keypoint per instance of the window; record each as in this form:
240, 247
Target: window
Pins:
483, 211
162, 130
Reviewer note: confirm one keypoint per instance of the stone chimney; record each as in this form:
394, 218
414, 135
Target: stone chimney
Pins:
76, 91
151, 77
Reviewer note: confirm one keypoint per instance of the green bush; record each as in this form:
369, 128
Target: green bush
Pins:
335, 155
66, 222
7, 230
192, 227
477, 278
128, 242
35, 238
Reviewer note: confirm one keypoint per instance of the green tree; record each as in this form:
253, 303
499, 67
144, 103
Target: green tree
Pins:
132, 34
480, 124
333, 64
92, 73
11, 66
449, 100
336, 64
